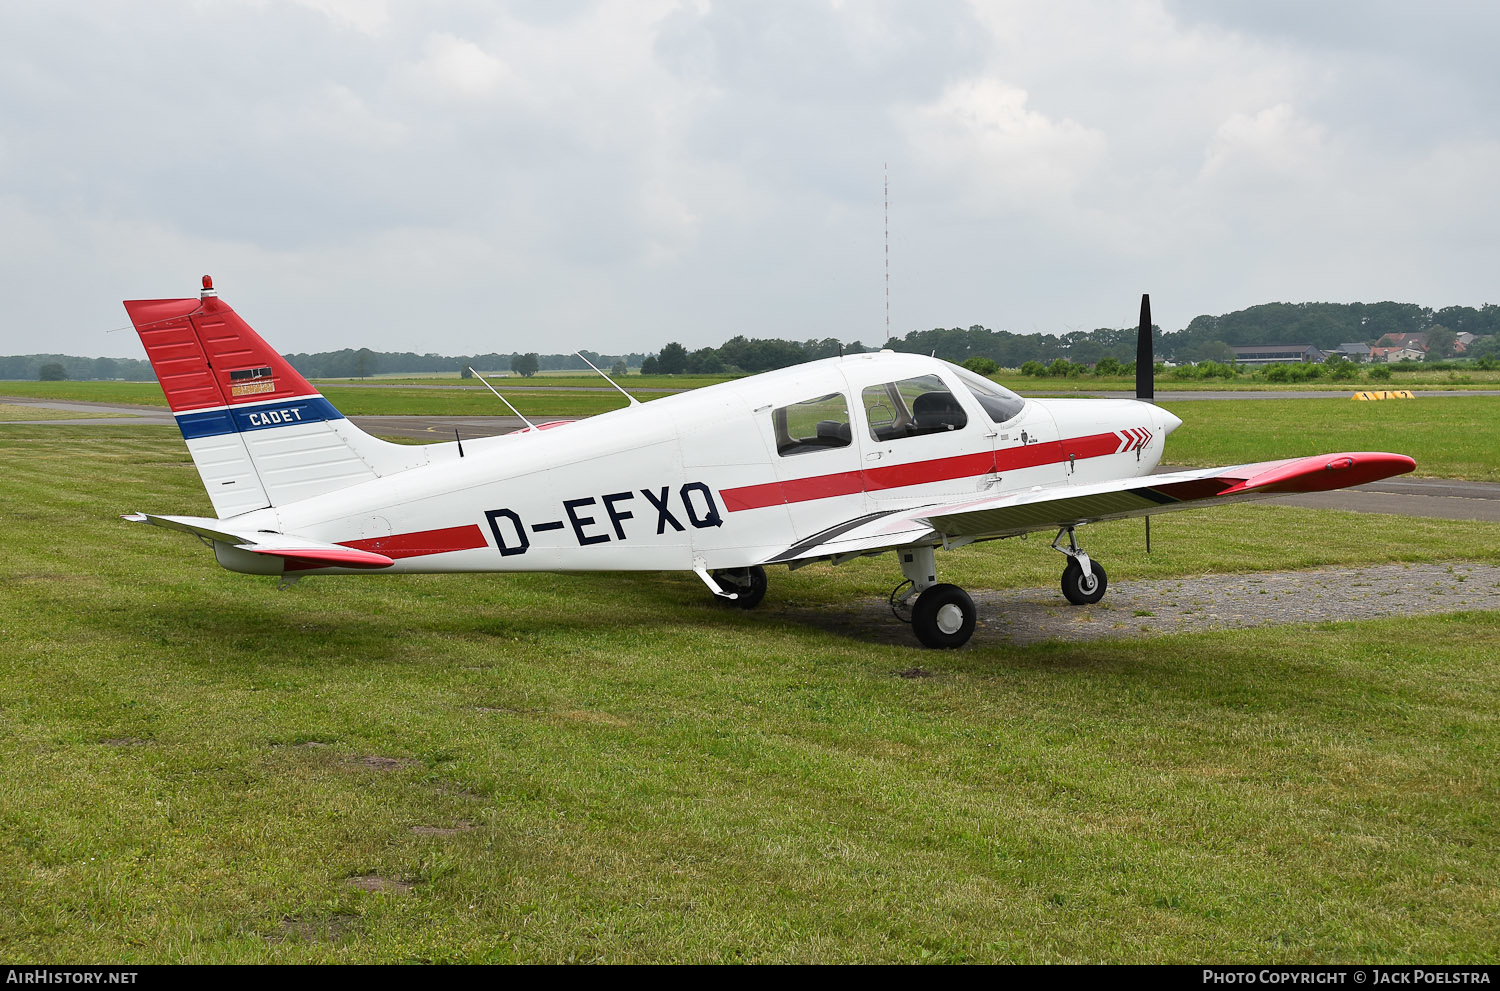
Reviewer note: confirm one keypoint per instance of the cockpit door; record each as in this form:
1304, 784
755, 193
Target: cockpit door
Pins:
922, 438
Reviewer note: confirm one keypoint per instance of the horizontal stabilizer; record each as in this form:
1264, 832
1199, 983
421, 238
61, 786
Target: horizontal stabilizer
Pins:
198, 526
300, 552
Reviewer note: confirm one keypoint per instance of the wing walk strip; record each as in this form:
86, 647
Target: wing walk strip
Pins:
832, 533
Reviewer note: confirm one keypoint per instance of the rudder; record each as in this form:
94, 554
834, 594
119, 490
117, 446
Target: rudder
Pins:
259, 433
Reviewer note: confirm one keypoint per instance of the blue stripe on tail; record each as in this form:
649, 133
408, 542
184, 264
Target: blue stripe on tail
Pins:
256, 416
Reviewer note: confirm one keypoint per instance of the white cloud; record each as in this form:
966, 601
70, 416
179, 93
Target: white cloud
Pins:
1275, 142
460, 67
1003, 154
365, 16
331, 113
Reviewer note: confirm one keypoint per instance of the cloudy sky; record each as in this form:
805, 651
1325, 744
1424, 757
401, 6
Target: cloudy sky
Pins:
554, 174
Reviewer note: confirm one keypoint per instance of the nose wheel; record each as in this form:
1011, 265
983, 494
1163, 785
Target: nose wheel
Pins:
1083, 589
1083, 579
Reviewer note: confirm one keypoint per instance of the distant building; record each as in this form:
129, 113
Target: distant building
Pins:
1417, 341
1390, 355
1353, 352
1272, 354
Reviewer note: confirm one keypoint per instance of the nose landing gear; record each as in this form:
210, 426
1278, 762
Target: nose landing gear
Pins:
1083, 580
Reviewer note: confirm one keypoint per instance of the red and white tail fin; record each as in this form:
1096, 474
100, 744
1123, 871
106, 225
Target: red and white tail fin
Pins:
259, 434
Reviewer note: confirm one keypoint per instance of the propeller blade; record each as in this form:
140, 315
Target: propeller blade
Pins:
1145, 362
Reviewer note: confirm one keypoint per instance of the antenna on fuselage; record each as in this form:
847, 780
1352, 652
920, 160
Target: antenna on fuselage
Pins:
503, 400
887, 167
633, 401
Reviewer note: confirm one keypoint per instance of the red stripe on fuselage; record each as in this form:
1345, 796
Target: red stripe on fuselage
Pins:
471, 537
918, 472
424, 542
925, 472
1091, 446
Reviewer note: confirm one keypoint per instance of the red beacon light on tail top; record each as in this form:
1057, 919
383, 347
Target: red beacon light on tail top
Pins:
208, 287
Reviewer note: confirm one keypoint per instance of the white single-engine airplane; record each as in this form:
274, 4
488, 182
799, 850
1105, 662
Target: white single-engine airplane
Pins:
826, 461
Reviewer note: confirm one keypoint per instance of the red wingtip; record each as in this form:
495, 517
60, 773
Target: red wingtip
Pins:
1326, 471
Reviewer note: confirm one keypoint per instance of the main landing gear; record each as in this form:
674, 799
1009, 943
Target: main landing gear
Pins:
943, 616
747, 585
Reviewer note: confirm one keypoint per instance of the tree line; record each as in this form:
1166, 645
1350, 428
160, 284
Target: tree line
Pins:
1327, 325
1206, 338
66, 366
361, 363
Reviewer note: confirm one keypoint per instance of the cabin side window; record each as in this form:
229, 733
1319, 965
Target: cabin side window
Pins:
812, 425
912, 407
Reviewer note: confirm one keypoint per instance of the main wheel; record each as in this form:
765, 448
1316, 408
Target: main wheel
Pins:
943, 617
1082, 590
747, 583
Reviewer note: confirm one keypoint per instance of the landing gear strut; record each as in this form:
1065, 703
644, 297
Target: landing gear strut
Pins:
1083, 580
748, 585
942, 616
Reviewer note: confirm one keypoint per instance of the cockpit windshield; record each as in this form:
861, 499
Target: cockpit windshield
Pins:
999, 402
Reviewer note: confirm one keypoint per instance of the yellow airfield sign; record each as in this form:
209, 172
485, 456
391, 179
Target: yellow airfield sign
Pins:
1388, 394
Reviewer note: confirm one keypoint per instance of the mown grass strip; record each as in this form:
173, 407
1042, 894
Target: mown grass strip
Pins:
1450, 437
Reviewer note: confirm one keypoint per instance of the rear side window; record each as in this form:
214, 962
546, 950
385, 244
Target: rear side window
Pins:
812, 425
912, 407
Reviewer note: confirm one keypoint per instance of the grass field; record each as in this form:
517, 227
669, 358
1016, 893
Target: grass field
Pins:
1450, 437
1417, 380
609, 767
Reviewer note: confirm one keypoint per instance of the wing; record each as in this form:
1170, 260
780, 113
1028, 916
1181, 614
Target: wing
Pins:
289, 547
1055, 506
